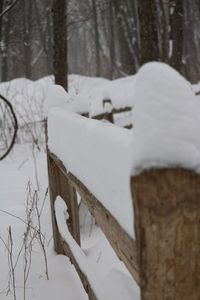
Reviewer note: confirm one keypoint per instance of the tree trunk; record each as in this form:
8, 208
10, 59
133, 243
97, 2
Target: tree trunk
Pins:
149, 48
177, 35
1, 10
96, 37
163, 32
112, 41
27, 18
1, 23
5, 50
126, 36
60, 43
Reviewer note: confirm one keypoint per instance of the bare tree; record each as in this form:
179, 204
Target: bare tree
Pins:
96, 36
177, 18
110, 38
60, 42
7, 9
149, 50
1, 11
126, 28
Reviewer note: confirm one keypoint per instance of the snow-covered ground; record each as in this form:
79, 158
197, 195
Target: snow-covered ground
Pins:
165, 133
27, 98
26, 166
15, 173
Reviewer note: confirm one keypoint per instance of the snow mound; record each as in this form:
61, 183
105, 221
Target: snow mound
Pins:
166, 119
196, 88
79, 84
56, 96
26, 97
120, 92
83, 100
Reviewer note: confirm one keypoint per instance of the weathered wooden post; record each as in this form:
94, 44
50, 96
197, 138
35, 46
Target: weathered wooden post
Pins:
54, 185
59, 186
167, 223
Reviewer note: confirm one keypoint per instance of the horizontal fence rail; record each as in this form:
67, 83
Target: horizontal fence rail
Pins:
64, 184
110, 116
165, 257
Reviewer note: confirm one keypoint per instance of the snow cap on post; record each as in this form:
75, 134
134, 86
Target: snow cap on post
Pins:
56, 96
166, 120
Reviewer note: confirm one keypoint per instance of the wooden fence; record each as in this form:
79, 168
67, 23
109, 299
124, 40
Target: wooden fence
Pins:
110, 115
165, 257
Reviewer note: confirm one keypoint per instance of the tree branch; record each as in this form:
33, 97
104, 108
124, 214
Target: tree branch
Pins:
8, 8
15, 125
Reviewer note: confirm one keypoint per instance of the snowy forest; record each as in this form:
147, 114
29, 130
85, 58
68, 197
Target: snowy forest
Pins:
99, 149
104, 37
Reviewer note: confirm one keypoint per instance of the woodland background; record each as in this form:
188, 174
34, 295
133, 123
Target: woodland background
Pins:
108, 38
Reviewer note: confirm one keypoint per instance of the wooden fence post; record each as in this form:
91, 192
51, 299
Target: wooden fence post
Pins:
59, 186
167, 223
53, 176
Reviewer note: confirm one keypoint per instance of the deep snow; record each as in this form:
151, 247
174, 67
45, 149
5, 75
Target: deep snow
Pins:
165, 133
103, 156
15, 172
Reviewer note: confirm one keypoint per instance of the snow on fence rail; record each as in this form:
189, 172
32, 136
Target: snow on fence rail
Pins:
167, 227
165, 256
106, 105
161, 203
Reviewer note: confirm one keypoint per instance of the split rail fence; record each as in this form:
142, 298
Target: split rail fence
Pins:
164, 259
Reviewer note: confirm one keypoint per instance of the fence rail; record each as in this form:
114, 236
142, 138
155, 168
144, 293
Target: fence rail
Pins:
110, 116
65, 184
165, 257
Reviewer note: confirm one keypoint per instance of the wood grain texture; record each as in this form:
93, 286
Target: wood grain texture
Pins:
86, 284
167, 222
